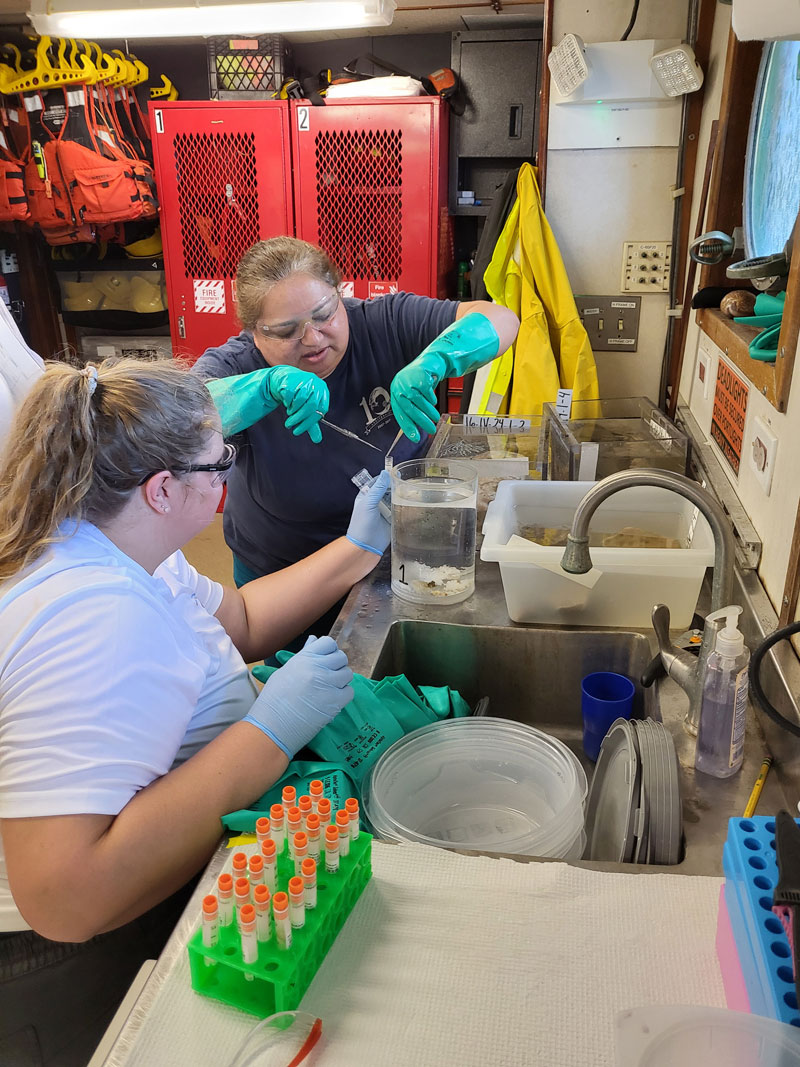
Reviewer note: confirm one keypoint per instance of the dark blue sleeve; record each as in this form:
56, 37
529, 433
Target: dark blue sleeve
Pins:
237, 356
414, 320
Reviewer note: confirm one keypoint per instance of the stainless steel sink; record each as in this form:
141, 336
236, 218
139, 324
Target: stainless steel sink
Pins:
532, 676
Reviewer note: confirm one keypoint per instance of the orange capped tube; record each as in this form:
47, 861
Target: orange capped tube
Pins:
297, 903
256, 867
331, 849
225, 894
309, 871
262, 830
294, 824
263, 922
315, 791
300, 847
269, 854
241, 892
306, 807
247, 932
283, 927
324, 810
210, 925
313, 834
277, 823
351, 807
239, 865
343, 826
289, 796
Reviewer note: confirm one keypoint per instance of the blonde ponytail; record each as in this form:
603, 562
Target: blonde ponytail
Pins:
83, 440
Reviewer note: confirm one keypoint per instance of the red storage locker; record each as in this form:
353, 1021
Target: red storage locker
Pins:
370, 187
224, 182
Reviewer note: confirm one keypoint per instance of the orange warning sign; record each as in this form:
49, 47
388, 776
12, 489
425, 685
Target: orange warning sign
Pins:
730, 408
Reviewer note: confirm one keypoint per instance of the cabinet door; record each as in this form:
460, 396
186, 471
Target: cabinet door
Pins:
501, 80
367, 188
222, 170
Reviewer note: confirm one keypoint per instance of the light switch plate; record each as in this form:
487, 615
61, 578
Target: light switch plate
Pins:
763, 449
703, 371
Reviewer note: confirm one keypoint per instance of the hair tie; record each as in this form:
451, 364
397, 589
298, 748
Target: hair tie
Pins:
90, 374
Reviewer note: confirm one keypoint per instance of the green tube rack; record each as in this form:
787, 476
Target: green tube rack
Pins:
280, 977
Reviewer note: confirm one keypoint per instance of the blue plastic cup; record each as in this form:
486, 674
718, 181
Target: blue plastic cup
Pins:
605, 697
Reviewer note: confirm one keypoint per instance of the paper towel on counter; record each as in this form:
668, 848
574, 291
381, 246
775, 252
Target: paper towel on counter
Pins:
455, 961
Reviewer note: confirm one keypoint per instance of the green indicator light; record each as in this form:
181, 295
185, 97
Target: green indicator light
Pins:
599, 101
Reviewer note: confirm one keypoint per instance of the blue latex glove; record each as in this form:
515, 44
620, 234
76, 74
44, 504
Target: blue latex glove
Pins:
304, 695
464, 346
243, 399
368, 528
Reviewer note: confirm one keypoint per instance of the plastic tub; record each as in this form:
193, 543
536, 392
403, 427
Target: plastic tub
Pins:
624, 583
487, 784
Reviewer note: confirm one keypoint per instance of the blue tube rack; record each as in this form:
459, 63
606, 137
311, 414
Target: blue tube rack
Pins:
751, 874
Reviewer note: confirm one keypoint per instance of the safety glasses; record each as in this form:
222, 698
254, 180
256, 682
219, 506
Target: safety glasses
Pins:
294, 331
221, 468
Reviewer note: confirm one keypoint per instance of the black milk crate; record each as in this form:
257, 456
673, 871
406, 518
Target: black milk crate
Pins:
248, 68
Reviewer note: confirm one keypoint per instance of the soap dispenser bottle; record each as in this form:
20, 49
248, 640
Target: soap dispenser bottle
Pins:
720, 734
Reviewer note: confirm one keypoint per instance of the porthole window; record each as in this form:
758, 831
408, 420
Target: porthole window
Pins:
772, 167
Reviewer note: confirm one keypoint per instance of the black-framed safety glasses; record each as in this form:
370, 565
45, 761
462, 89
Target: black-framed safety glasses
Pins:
221, 468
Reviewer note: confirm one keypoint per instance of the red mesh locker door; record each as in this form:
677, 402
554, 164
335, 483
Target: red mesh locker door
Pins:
370, 188
223, 181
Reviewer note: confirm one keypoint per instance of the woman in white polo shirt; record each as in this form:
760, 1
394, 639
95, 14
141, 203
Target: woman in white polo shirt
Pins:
129, 722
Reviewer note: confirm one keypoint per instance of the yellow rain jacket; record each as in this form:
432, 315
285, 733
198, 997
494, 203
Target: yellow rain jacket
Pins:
527, 274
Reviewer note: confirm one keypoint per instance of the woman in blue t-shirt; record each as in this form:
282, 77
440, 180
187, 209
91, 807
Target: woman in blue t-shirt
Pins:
369, 366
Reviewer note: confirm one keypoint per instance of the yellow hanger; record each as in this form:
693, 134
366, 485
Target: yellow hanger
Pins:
9, 74
165, 91
142, 70
45, 75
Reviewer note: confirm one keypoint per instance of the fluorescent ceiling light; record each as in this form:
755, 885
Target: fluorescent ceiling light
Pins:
149, 18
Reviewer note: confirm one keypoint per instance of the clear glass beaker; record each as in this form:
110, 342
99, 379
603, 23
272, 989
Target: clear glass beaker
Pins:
434, 521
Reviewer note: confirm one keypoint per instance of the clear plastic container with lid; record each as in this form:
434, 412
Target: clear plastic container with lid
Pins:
487, 784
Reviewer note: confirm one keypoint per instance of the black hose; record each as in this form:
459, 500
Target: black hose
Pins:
634, 13
755, 681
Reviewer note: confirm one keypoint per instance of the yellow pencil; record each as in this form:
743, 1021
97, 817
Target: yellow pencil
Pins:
759, 785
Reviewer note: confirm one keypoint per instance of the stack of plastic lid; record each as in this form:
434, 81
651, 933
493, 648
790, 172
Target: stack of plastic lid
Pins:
679, 1035
633, 814
487, 784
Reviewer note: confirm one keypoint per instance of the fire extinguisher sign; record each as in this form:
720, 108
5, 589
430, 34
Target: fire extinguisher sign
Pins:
209, 296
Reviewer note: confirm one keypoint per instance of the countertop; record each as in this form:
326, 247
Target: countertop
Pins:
532, 997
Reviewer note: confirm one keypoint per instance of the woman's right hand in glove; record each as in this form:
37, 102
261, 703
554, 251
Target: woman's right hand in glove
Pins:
304, 695
303, 394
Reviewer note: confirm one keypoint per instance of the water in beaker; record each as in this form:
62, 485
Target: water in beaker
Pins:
433, 531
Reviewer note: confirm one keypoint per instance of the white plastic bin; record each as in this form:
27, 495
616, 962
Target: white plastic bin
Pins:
624, 583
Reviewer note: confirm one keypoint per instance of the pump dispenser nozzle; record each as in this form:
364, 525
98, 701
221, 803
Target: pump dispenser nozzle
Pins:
730, 639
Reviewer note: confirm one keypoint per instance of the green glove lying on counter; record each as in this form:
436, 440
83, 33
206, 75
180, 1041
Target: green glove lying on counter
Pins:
243, 399
464, 346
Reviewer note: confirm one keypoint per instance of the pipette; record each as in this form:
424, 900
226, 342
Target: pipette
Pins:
348, 433
388, 462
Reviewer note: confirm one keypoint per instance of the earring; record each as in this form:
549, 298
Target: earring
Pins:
165, 508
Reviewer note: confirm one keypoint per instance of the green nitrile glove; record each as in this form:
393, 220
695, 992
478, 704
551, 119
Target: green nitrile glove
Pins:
464, 346
243, 399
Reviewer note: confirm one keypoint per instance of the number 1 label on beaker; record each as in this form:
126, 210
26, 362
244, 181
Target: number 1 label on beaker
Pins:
434, 525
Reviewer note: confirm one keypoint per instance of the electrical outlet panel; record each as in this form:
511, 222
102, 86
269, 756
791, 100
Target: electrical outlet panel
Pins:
612, 322
763, 449
645, 266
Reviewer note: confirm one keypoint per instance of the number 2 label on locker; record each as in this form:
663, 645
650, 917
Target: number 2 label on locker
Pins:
303, 119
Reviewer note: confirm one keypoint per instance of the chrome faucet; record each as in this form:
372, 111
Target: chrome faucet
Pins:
687, 670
